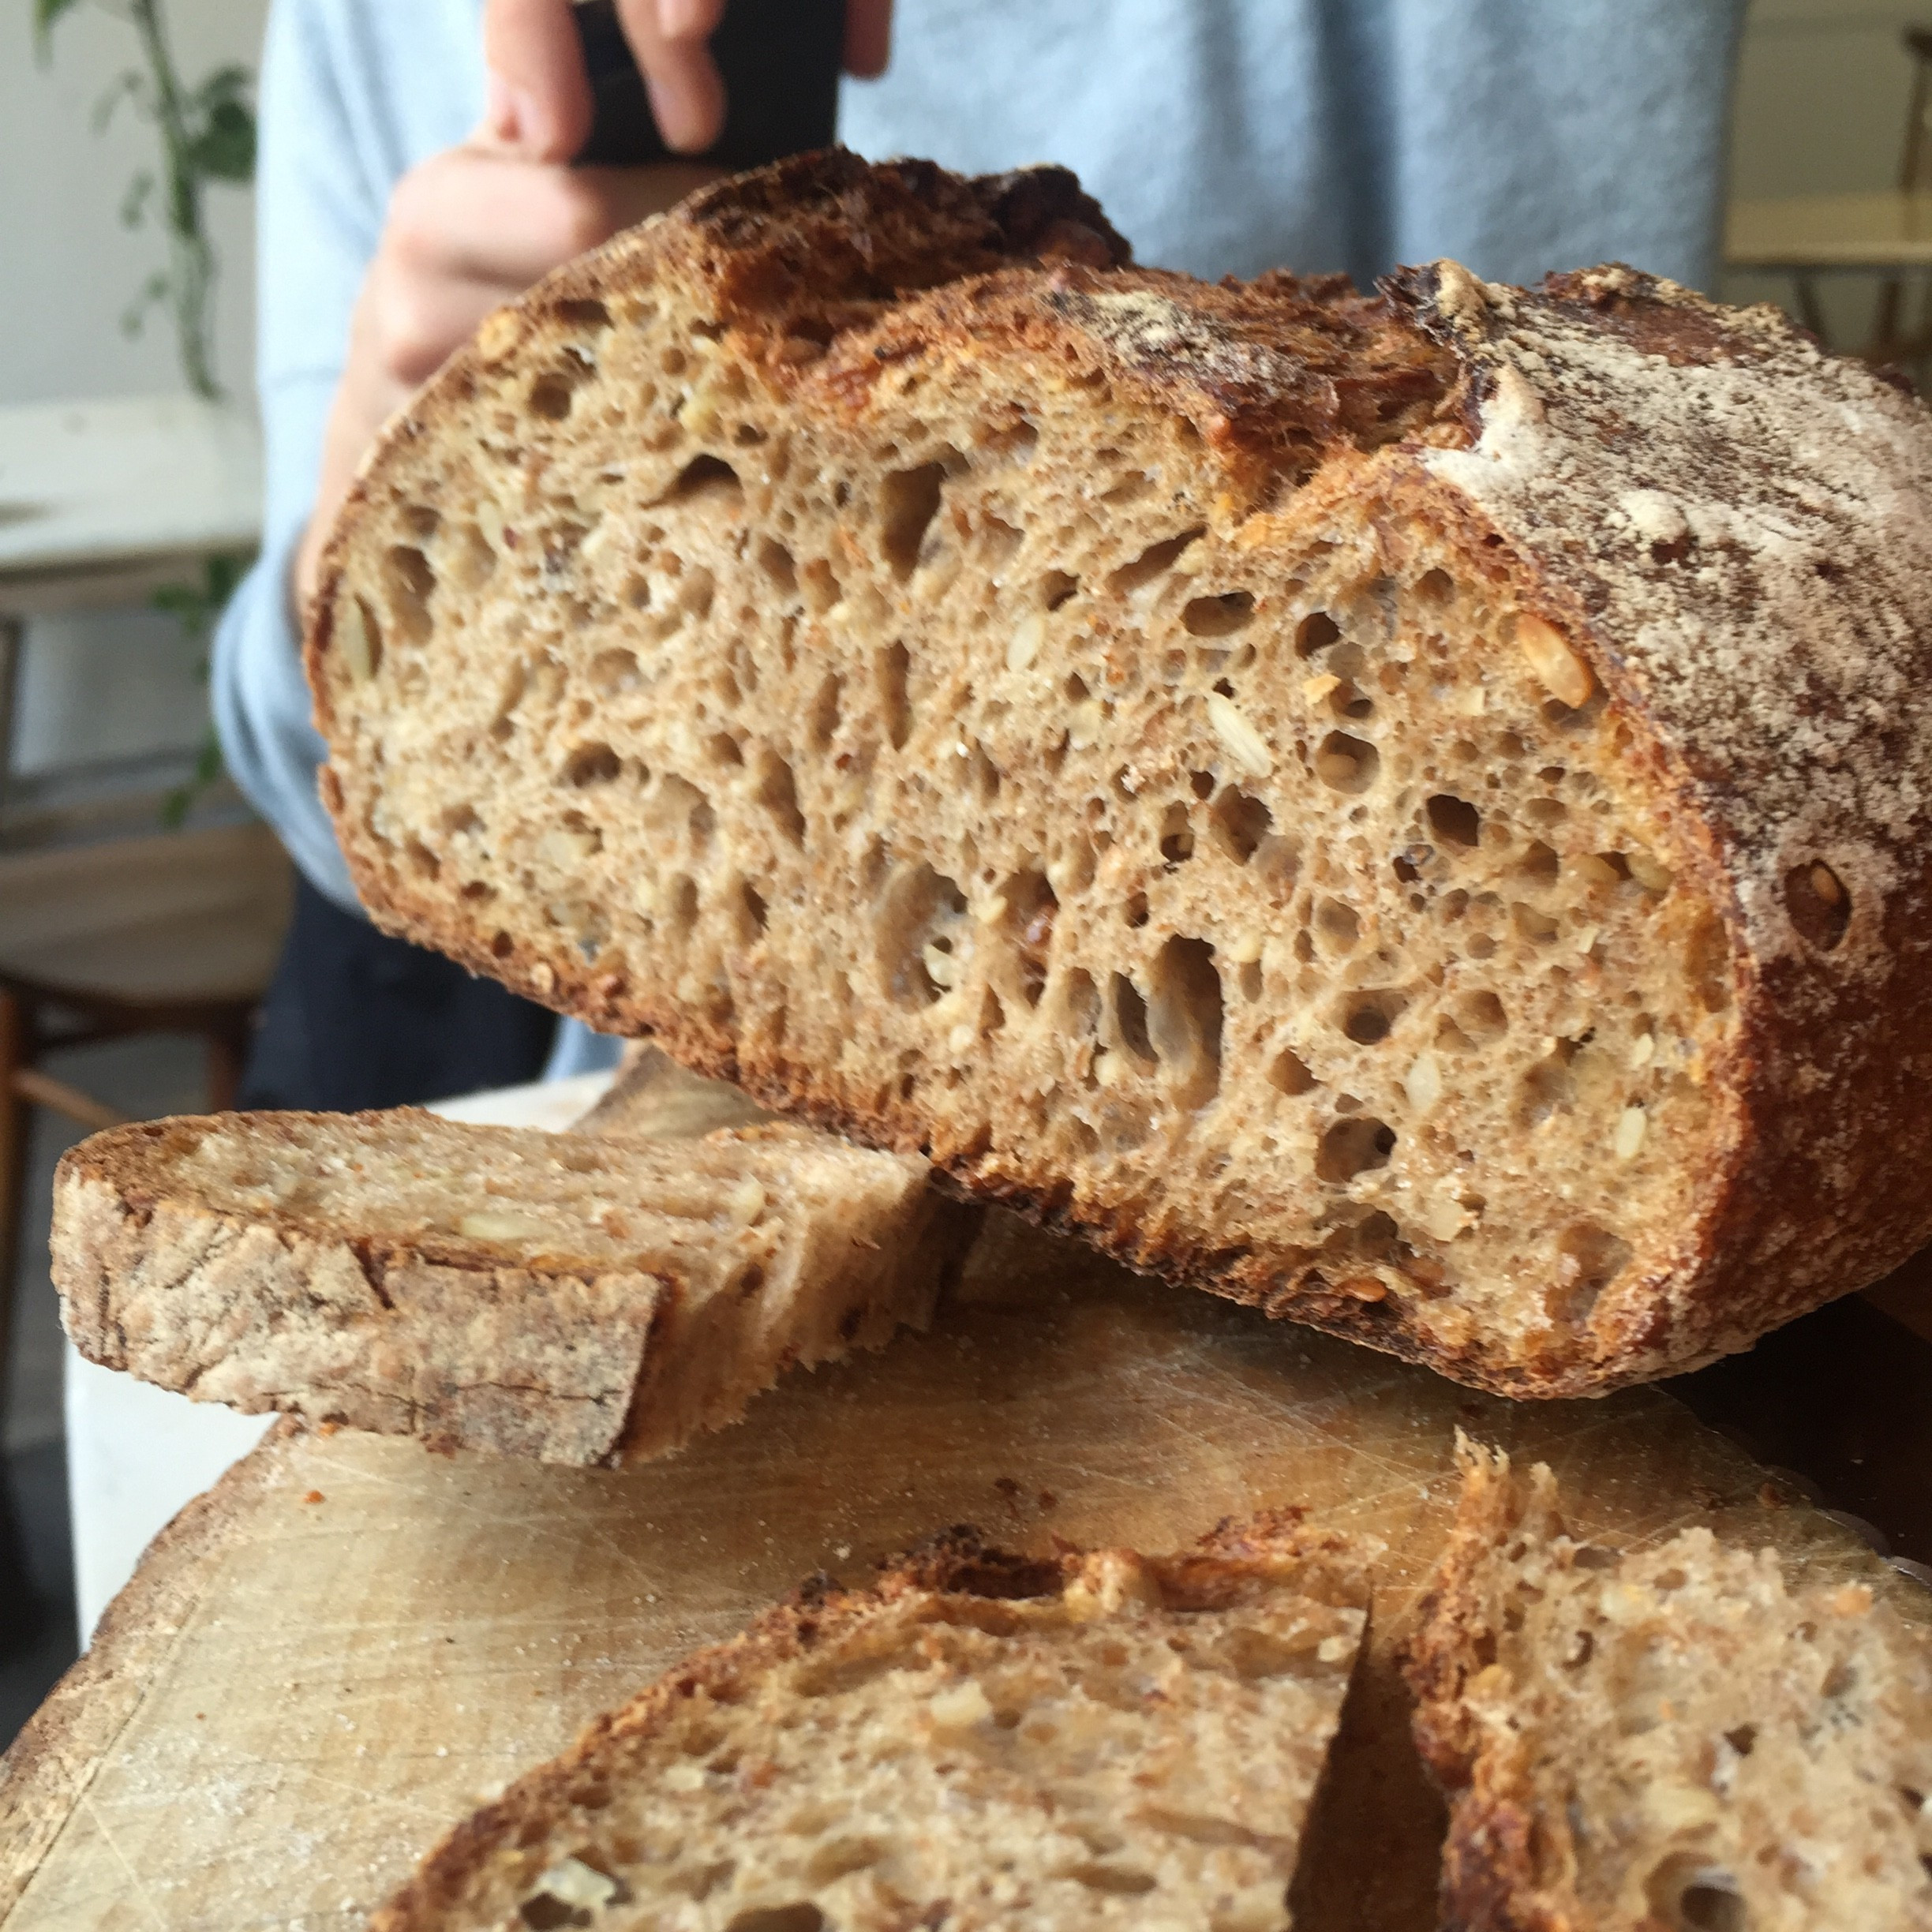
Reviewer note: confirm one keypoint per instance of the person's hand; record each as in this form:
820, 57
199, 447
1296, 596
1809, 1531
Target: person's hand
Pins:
472, 228
669, 39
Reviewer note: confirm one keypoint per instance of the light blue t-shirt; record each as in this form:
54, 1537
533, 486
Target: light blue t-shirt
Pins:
1223, 137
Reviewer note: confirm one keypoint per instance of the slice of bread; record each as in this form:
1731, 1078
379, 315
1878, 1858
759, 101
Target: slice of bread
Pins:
1669, 1740
574, 1299
653, 1098
983, 1740
1404, 811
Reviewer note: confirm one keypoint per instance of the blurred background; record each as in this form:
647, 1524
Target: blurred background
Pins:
124, 505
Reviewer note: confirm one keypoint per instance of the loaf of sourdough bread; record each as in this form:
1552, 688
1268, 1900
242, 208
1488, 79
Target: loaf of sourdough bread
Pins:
1406, 810
982, 1741
571, 1299
1669, 1738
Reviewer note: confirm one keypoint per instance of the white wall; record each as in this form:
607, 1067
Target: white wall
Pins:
1820, 107
104, 687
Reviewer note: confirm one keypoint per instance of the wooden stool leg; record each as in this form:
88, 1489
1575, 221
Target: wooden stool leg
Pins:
22, 1615
228, 1055
15, 1121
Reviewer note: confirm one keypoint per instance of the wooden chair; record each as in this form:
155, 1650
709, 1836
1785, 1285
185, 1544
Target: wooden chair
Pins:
177, 933
1888, 234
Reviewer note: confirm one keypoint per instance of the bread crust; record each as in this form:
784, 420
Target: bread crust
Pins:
1542, 431
452, 1339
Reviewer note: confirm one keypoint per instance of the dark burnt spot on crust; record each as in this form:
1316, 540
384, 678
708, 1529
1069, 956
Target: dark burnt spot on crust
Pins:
956, 1561
1625, 302
820, 244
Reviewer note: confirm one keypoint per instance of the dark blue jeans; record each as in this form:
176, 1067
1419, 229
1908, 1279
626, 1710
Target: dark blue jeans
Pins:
354, 1019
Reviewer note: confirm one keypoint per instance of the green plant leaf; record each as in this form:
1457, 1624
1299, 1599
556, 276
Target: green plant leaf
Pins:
128, 85
134, 202
46, 13
224, 148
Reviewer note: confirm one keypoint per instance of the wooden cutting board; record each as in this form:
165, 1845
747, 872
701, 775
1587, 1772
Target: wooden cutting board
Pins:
334, 1655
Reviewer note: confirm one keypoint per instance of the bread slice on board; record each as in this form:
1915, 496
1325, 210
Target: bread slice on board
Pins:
1669, 1740
655, 1098
983, 1740
571, 1299
1408, 810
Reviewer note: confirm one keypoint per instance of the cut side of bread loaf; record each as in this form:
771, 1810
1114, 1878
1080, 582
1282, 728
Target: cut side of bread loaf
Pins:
982, 1741
1404, 811
573, 1299
1668, 1740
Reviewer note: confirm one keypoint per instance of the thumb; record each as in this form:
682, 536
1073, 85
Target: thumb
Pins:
538, 103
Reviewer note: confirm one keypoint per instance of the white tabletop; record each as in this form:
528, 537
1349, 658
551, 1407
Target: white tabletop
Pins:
136, 1454
90, 485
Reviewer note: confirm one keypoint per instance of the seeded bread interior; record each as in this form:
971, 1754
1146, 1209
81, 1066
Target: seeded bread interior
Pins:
1364, 803
1671, 1738
983, 1740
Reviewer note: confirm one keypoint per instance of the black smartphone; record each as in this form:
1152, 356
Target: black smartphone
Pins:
780, 60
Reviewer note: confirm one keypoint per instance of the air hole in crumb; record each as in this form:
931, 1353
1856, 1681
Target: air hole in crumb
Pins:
1436, 586
754, 903
894, 667
1707, 963
1150, 564
776, 561
1742, 1739
1239, 823
1347, 765
1183, 1018
1218, 616
1288, 1072
423, 862
551, 395
706, 478
1819, 905
909, 501
1080, 1003
923, 925
502, 946
1055, 588
823, 589
1130, 1017
1713, 1908
591, 764
1032, 909
1353, 1146
1201, 785
1121, 1880
614, 672
1337, 923
1589, 1258
1480, 1017
411, 583
777, 791
684, 903
1455, 820
1316, 632
1539, 863
458, 819
801, 1917
1135, 910
822, 720
1177, 837
1366, 1017
724, 749
585, 312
